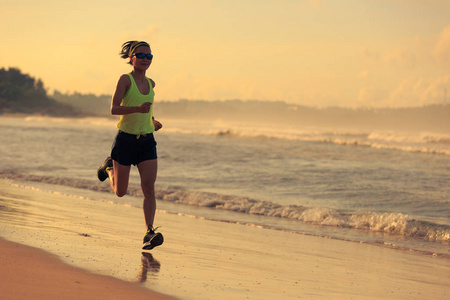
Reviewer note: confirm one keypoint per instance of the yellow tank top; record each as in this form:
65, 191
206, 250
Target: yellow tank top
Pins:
137, 123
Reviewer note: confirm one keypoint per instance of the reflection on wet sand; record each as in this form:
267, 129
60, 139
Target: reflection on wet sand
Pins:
148, 264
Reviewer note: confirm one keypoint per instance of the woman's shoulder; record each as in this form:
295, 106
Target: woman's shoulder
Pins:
124, 81
125, 77
152, 82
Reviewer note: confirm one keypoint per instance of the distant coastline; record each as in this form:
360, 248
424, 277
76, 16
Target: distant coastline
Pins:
23, 95
433, 118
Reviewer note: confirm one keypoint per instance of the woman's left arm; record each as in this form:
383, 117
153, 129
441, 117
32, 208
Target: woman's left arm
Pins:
156, 123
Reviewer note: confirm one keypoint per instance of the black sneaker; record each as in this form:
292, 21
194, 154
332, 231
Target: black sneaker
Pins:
101, 172
152, 239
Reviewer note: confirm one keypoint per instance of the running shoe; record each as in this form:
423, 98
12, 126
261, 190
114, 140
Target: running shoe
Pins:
152, 239
101, 172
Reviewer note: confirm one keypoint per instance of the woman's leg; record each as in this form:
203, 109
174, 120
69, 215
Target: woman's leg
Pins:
148, 170
118, 178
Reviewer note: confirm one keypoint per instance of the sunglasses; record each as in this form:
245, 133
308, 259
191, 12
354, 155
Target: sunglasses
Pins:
143, 55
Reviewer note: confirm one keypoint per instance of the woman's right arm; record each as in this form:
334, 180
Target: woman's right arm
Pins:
122, 87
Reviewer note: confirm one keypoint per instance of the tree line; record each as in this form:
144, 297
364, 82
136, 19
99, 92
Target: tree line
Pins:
21, 93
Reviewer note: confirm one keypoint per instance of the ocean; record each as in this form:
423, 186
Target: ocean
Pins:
382, 187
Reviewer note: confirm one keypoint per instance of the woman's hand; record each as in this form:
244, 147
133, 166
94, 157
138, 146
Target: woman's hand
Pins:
145, 107
157, 125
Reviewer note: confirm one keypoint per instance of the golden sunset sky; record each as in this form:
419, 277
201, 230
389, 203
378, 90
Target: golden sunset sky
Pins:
350, 53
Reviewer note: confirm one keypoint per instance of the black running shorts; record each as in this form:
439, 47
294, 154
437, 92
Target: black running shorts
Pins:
129, 149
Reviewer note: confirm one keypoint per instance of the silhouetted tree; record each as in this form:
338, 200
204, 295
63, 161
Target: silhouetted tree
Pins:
22, 93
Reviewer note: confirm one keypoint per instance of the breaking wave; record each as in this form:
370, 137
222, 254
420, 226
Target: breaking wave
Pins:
396, 223
393, 223
419, 142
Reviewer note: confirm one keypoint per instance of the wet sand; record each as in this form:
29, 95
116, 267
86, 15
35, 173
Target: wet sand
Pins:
202, 259
30, 273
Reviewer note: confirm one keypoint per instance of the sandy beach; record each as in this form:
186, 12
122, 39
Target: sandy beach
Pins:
30, 273
200, 259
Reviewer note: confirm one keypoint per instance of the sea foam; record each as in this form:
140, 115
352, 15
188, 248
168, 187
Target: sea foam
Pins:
394, 223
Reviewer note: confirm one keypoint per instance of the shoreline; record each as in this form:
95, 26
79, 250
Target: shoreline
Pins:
204, 259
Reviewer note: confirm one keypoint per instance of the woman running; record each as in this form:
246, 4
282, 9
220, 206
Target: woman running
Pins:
134, 143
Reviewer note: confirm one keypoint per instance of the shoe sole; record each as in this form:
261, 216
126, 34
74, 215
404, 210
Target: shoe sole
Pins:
157, 240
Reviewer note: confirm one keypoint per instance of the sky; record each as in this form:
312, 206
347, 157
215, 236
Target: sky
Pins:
347, 53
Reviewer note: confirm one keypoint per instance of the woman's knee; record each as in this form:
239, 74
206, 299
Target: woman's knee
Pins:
120, 192
120, 178
148, 188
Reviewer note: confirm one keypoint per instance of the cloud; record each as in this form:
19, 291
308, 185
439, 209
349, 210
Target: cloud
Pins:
412, 91
364, 74
415, 91
399, 57
151, 29
372, 96
369, 55
147, 33
393, 57
405, 53
441, 51
315, 3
